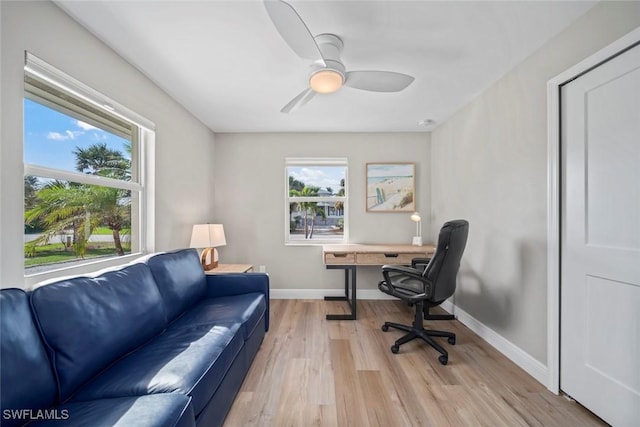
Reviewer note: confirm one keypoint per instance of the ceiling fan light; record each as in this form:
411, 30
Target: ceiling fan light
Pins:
326, 81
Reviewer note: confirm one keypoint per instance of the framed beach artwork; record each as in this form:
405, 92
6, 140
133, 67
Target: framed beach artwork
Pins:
391, 187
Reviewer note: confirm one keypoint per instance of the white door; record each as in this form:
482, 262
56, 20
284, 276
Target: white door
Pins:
600, 240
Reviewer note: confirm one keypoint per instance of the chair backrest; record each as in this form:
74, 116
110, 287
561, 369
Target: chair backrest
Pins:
443, 267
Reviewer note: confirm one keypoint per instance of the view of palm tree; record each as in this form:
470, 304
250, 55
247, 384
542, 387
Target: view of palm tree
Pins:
72, 212
309, 209
97, 159
308, 218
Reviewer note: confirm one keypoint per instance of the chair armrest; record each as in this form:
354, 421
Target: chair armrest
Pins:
401, 269
422, 262
401, 282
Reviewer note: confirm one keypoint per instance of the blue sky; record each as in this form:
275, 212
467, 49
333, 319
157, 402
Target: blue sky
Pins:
51, 137
319, 176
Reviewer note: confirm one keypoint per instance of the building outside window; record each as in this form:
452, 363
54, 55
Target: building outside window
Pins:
316, 199
84, 192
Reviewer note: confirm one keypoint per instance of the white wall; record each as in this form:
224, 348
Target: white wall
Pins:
489, 165
184, 146
249, 200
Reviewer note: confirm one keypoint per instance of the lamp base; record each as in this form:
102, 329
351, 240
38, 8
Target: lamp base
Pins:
212, 255
417, 241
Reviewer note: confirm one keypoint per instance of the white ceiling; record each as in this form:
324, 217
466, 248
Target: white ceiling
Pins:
225, 62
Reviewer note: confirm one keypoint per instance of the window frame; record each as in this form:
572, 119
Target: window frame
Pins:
316, 162
139, 131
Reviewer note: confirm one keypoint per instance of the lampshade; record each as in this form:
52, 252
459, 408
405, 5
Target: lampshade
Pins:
326, 81
415, 217
207, 236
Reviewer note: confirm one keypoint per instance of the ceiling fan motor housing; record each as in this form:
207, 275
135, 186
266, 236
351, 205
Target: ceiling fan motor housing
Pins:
331, 47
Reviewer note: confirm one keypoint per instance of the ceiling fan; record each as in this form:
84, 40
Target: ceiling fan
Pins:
328, 74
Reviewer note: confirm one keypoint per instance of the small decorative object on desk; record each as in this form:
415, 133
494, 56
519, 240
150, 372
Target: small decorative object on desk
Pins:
417, 239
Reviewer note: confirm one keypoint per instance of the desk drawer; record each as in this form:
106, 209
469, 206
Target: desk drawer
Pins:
339, 258
386, 258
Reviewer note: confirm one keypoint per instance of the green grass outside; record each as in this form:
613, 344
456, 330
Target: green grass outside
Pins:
108, 232
53, 253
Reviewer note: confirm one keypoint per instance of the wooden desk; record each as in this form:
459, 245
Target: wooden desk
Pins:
348, 257
230, 268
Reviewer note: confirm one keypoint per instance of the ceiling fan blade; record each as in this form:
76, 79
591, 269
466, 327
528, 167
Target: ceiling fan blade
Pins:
293, 30
378, 81
297, 102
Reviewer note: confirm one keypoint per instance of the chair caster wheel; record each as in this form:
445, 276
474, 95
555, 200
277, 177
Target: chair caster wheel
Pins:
452, 340
384, 328
395, 349
443, 359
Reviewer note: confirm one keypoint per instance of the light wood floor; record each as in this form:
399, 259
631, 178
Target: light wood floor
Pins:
314, 372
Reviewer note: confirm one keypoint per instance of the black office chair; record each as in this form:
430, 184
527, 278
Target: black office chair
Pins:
429, 287
420, 264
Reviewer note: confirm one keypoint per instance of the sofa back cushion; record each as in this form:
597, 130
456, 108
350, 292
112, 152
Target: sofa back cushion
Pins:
26, 378
180, 278
88, 323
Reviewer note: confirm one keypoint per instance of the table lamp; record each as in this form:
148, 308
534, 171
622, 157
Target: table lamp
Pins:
208, 236
417, 239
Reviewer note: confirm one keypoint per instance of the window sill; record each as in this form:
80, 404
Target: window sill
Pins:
87, 268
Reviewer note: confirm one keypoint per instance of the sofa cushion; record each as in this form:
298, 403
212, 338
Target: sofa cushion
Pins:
180, 278
245, 309
156, 410
89, 322
26, 378
191, 361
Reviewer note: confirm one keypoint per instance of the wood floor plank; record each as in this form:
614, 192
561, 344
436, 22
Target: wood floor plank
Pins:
314, 372
380, 409
350, 403
295, 402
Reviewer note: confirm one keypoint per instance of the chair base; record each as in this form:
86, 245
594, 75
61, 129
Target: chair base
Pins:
417, 330
428, 316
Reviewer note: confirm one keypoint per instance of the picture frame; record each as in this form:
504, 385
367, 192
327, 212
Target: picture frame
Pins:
391, 187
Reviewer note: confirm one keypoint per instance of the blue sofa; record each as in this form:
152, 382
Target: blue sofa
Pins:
154, 343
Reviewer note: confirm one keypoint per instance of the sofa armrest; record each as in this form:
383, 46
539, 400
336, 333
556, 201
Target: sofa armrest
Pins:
222, 285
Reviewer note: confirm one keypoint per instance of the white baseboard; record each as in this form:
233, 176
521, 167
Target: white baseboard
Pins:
321, 293
518, 356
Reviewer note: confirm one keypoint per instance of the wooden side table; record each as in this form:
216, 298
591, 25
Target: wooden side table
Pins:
230, 268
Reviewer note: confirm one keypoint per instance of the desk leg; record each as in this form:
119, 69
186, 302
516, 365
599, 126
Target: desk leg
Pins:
348, 270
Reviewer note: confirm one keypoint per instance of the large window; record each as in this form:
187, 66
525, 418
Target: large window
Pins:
84, 192
316, 200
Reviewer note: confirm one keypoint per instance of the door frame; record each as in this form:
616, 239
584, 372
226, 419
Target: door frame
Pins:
554, 194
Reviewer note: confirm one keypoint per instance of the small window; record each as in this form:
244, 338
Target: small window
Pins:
316, 200
83, 173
